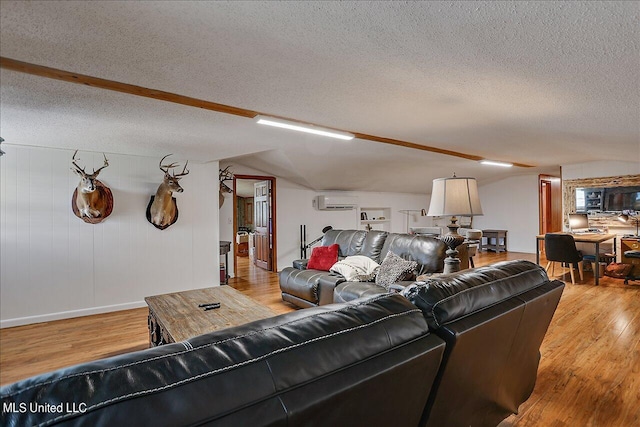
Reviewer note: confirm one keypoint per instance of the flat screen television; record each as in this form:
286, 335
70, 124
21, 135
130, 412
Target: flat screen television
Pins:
622, 199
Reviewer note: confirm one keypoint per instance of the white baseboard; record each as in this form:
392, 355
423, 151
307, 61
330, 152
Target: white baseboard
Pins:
8, 323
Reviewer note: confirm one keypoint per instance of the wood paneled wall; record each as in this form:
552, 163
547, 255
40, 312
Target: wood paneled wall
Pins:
53, 265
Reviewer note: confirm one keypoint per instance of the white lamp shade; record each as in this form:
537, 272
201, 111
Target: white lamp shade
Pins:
455, 196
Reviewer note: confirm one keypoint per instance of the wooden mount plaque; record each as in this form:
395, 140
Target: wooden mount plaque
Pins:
108, 197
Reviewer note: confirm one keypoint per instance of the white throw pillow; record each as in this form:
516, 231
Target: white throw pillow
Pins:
357, 268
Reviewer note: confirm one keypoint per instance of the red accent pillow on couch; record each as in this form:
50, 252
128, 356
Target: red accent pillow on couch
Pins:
323, 257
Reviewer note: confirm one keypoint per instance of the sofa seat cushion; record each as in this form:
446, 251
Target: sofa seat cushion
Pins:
349, 291
448, 297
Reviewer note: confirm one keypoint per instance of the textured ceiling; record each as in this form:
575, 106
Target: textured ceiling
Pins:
544, 83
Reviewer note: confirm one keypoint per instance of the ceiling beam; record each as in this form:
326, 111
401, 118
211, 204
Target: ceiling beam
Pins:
67, 76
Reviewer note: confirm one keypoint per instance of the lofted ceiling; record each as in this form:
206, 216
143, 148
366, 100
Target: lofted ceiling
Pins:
541, 83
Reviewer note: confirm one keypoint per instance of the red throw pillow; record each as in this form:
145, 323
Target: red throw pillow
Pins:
323, 257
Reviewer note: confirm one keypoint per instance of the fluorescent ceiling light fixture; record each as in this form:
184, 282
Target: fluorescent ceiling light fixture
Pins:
285, 124
493, 163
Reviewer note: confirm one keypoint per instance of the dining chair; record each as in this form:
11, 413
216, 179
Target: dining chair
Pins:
562, 248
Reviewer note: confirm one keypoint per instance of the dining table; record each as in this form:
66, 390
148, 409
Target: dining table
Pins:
587, 237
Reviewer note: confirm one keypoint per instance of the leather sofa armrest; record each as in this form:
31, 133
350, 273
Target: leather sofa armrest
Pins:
396, 288
326, 284
300, 264
401, 286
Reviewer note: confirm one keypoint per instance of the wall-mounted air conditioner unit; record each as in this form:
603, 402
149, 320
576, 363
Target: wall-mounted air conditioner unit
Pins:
335, 203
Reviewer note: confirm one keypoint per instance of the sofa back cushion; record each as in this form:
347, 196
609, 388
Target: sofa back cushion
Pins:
429, 252
372, 245
449, 297
342, 364
350, 241
493, 320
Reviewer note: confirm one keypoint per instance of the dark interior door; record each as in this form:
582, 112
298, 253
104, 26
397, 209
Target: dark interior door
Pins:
263, 226
545, 210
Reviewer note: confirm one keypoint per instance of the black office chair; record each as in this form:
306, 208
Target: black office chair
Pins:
562, 248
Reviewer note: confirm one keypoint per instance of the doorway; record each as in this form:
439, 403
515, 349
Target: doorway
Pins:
550, 203
254, 223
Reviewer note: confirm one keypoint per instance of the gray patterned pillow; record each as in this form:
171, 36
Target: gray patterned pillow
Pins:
393, 269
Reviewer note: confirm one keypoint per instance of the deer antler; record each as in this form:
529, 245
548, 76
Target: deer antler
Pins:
106, 163
183, 173
79, 170
225, 175
165, 168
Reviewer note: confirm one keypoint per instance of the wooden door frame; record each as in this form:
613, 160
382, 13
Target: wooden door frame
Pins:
545, 199
274, 246
556, 200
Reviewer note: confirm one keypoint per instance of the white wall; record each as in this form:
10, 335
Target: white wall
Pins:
295, 207
511, 204
53, 265
599, 169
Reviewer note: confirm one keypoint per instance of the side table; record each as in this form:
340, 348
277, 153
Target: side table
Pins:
225, 247
496, 240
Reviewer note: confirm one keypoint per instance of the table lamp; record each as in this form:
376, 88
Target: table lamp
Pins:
456, 196
627, 216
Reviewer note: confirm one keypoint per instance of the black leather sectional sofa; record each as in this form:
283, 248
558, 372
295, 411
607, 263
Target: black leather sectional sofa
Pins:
308, 287
460, 350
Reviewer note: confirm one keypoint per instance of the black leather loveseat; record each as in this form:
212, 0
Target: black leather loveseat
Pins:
307, 287
465, 353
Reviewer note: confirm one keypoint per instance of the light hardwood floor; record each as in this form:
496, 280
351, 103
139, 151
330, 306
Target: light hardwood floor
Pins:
589, 373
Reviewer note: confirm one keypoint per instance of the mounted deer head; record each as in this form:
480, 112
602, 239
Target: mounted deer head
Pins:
224, 175
163, 209
93, 200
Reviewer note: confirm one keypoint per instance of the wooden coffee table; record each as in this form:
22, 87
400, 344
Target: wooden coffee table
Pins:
176, 317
